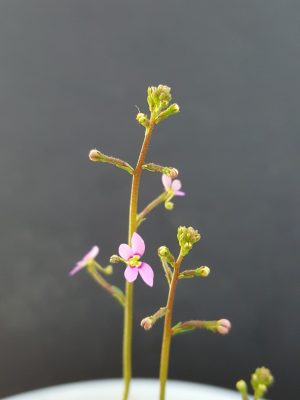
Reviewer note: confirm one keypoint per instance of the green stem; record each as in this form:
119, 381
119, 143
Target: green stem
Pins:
128, 310
112, 290
156, 202
167, 334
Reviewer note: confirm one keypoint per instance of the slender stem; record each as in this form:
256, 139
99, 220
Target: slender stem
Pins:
156, 202
128, 310
167, 334
112, 290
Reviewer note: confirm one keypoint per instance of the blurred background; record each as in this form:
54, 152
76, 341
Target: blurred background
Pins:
71, 73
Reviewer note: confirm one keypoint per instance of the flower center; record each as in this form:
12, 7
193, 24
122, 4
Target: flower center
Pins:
134, 261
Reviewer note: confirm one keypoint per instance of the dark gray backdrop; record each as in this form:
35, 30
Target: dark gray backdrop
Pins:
70, 75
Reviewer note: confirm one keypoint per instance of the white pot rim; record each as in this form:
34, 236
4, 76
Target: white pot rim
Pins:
141, 389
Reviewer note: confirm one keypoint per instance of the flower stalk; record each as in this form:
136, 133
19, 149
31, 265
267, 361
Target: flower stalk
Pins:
133, 224
167, 333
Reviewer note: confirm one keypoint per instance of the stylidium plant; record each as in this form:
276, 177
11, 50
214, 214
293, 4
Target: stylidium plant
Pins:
131, 254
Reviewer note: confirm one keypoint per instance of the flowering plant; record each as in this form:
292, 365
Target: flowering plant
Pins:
131, 254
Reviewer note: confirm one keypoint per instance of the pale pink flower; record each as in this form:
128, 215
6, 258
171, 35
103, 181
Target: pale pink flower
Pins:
173, 186
132, 255
85, 260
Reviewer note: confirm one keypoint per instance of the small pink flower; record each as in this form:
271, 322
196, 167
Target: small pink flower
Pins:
85, 260
132, 256
173, 186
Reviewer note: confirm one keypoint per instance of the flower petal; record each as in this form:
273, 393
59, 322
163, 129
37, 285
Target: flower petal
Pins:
79, 266
137, 244
146, 273
179, 193
125, 251
131, 274
91, 254
176, 185
167, 181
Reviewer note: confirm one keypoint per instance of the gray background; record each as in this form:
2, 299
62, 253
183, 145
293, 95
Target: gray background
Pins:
70, 75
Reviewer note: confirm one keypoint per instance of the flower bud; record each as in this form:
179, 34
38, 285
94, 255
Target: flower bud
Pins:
171, 172
96, 155
224, 326
169, 205
202, 271
147, 323
164, 252
108, 270
142, 119
242, 387
114, 259
173, 109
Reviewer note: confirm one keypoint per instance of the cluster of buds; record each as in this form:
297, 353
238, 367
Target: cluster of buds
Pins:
159, 98
261, 379
187, 237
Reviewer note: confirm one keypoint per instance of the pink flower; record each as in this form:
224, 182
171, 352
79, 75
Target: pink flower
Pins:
173, 186
85, 260
132, 256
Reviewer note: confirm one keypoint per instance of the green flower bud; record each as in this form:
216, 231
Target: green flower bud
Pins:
96, 155
173, 109
164, 252
261, 390
187, 237
169, 205
114, 259
202, 271
142, 119
242, 387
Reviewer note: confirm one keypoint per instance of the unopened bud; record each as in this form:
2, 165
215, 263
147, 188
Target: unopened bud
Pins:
142, 119
169, 205
202, 271
96, 155
171, 172
261, 390
164, 252
147, 323
108, 270
114, 259
224, 326
173, 109
242, 387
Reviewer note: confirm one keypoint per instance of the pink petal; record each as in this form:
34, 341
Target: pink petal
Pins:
131, 274
91, 254
167, 181
146, 273
79, 266
176, 185
125, 251
179, 193
137, 244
